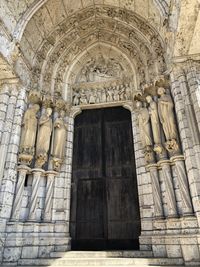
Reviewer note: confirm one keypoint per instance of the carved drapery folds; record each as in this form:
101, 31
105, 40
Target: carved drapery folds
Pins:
160, 139
44, 132
42, 147
102, 80
160, 108
106, 92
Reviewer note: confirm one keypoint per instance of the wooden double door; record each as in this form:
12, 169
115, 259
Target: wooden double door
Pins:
104, 199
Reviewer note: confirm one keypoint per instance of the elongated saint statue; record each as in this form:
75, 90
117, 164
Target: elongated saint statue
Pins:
59, 139
144, 125
29, 130
155, 124
43, 137
166, 114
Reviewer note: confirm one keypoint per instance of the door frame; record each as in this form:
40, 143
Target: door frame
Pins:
143, 177
106, 242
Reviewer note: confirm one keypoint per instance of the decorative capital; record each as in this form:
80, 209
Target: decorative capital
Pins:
48, 101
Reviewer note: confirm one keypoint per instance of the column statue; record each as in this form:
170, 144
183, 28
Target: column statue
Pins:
27, 146
43, 138
166, 115
155, 124
58, 140
145, 130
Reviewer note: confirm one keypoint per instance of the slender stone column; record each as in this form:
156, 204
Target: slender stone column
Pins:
49, 195
68, 159
37, 173
4, 98
170, 194
157, 197
22, 172
183, 184
7, 129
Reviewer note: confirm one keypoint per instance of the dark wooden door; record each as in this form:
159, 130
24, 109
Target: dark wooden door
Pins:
104, 204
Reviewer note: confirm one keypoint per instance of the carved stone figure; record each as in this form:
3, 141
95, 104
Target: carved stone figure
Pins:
83, 98
109, 95
98, 99
92, 98
121, 92
29, 132
103, 96
166, 115
116, 93
100, 70
43, 137
128, 93
76, 98
144, 126
155, 123
58, 140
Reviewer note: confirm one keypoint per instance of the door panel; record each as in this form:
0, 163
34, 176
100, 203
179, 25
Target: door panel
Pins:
90, 221
104, 205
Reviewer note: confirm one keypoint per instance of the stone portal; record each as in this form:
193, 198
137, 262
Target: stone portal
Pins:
104, 204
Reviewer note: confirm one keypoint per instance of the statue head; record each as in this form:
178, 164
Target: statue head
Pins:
149, 99
62, 113
161, 91
138, 104
49, 111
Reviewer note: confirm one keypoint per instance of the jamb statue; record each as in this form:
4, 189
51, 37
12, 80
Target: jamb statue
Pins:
43, 138
58, 141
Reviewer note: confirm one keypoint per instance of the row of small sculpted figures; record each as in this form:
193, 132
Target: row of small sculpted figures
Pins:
94, 96
151, 116
38, 134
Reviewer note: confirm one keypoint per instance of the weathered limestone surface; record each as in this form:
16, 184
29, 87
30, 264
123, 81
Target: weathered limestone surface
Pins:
67, 56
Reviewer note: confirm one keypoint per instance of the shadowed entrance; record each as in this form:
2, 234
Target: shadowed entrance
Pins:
104, 205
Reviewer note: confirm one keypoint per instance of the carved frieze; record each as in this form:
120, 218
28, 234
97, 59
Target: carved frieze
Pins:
95, 93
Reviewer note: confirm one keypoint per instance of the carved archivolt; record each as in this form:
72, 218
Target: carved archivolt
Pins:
119, 28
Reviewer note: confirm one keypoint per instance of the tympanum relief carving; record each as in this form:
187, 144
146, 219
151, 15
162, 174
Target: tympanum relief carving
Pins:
102, 80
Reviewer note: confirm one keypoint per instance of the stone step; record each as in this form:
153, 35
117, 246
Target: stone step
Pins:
103, 254
101, 262
101, 266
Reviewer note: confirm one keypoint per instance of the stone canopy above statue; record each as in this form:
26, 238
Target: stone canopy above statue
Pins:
100, 69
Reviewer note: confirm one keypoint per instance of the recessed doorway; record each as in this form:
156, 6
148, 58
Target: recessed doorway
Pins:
104, 199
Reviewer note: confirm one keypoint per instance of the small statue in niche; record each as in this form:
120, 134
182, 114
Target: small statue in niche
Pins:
76, 98
116, 93
155, 123
103, 96
58, 141
92, 97
43, 138
166, 115
27, 146
98, 100
121, 92
128, 93
83, 98
145, 130
109, 95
